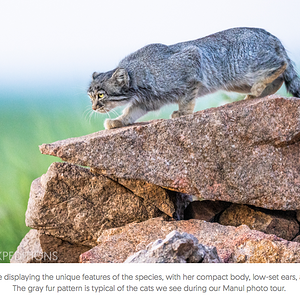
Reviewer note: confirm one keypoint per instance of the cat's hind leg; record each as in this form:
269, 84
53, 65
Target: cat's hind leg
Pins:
186, 105
273, 87
268, 85
184, 108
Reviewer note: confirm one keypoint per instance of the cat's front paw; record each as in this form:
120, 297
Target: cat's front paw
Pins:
175, 114
178, 113
110, 124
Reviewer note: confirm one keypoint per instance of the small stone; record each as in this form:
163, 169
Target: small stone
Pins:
205, 210
175, 248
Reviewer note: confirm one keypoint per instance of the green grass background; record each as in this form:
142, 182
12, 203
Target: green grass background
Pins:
29, 119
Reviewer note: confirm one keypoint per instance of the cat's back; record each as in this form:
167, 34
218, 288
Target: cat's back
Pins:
155, 53
236, 34
147, 65
152, 53
229, 38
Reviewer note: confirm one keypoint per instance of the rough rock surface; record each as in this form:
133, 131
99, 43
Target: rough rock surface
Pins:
265, 251
164, 199
205, 210
245, 152
279, 223
37, 247
176, 248
233, 243
298, 215
72, 203
297, 239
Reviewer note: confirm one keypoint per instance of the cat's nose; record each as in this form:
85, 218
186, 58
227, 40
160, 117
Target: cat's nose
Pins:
97, 105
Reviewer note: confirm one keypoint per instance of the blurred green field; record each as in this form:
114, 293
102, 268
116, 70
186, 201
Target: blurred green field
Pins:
25, 123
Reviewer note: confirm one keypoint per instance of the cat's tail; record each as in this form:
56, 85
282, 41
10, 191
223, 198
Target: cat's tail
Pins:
292, 80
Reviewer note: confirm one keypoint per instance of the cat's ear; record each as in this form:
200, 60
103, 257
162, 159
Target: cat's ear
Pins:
95, 74
121, 77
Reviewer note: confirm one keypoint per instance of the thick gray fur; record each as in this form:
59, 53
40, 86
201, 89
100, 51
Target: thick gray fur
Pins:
245, 60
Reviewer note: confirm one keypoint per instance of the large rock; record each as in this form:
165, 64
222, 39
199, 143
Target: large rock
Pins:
245, 152
171, 203
76, 205
176, 248
234, 244
37, 247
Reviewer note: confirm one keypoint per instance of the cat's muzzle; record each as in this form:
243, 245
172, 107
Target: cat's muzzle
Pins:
98, 107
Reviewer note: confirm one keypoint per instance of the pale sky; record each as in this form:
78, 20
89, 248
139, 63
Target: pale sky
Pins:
58, 40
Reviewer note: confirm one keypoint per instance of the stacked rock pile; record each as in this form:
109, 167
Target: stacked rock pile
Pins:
229, 176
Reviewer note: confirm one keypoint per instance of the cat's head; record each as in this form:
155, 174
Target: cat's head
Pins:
109, 90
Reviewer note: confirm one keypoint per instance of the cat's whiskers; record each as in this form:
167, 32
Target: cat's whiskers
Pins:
106, 111
114, 111
92, 114
88, 114
88, 107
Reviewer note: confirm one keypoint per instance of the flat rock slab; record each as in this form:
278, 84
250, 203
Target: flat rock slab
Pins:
234, 244
76, 205
245, 152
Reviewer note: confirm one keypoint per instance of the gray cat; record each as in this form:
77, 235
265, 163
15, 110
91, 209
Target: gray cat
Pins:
245, 60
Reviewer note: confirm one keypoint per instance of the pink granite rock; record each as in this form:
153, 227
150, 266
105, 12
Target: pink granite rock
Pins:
76, 205
37, 247
245, 152
205, 210
176, 248
234, 244
280, 223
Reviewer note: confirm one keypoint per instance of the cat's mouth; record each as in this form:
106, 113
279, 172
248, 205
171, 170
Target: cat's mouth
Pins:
102, 110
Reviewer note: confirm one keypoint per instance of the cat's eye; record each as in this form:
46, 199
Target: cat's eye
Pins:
101, 95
